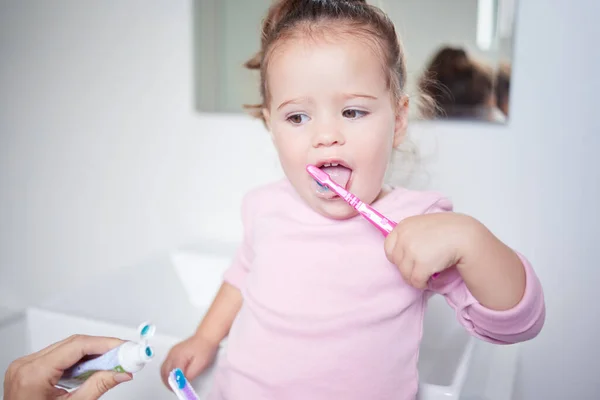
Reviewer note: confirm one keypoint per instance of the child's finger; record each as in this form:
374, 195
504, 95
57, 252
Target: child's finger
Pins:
406, 267
175, 362
391, 248
419, 276
194, 368
166, 369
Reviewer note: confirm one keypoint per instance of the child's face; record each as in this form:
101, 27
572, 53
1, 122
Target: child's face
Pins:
330, 103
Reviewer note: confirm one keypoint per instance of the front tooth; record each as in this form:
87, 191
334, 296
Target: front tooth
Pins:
327, 165
334, 164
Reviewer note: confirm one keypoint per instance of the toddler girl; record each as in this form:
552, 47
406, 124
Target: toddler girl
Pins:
316, 305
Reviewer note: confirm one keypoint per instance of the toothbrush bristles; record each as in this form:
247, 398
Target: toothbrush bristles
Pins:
323, 186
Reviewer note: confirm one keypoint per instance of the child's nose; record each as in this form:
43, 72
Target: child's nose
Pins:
328, 136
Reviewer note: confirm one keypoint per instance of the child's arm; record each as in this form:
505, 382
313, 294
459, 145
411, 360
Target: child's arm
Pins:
219, 318
522, 322
493, 289
493, 272
196, 353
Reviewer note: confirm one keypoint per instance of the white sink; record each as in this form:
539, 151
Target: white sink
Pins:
174, 291
36, 328
445, 354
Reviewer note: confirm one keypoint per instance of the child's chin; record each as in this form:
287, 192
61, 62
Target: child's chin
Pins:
336, 209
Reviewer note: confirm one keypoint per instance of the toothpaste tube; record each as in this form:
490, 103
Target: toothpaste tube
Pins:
129, 357
181, 387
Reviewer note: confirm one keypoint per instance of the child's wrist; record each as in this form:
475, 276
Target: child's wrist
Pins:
208, 337
473, 241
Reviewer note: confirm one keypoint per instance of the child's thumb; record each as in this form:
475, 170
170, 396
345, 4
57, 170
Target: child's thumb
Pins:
98, 384
390, 245
194, 369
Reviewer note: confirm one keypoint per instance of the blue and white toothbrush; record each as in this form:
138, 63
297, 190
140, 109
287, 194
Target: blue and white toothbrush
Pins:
181, 387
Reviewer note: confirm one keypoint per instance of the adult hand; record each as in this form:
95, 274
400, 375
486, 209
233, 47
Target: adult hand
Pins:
35, 376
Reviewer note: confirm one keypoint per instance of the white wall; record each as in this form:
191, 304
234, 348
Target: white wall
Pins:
102, 159
103, 162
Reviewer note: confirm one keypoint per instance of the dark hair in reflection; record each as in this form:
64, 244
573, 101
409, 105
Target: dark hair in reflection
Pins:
502, 87
456, 83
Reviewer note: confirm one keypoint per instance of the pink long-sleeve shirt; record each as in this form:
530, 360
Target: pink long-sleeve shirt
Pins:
326, 316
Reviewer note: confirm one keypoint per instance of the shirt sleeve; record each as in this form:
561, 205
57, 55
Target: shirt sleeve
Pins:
236, 274
523, 322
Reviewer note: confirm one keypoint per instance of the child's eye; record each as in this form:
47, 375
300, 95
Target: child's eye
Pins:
353, 113
298, 119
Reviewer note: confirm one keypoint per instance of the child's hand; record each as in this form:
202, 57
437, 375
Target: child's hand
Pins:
427, 244
192, 356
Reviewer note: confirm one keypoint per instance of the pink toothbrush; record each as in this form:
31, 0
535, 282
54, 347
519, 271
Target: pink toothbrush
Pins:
382, 223
373, 216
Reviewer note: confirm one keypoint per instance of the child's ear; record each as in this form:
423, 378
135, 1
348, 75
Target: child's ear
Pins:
267, 120
401, 122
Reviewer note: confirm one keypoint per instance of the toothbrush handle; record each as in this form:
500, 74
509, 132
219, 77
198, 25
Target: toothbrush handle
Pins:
384, 225
378, 220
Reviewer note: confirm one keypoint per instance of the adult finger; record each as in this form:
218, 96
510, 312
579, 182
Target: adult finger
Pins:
57, 393
44, 351
98, 384
77, 347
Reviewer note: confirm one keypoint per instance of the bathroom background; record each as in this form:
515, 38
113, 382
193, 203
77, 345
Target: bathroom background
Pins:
105, 159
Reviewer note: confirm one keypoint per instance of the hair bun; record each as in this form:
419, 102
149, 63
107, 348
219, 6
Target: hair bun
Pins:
364, 2
332, 2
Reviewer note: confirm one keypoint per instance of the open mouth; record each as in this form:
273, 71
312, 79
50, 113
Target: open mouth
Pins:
339, 171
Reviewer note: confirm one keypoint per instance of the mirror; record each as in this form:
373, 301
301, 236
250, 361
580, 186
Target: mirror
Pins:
458, 52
